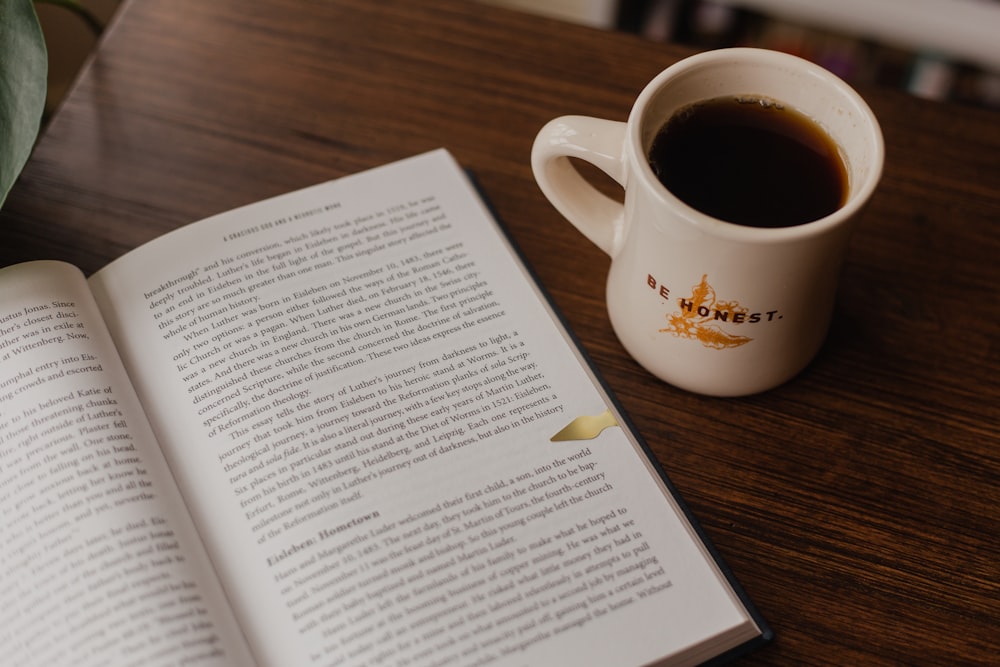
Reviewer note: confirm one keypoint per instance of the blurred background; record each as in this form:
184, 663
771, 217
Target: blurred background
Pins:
935, 49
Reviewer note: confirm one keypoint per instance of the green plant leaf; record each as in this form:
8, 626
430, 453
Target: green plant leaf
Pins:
23, 83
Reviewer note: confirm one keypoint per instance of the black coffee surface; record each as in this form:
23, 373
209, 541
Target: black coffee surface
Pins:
750, 161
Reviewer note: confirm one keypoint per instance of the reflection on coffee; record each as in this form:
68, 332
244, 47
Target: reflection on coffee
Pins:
750, 161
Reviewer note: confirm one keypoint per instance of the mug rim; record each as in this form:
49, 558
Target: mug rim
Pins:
858, 195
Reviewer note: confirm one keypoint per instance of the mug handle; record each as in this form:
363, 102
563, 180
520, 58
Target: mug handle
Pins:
599, 142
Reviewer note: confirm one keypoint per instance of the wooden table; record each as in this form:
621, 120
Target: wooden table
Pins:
859, 504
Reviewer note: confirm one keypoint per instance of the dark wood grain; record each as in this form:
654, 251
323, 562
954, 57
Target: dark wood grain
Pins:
858, 504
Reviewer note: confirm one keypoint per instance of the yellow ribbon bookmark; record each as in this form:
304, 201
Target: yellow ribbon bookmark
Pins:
586, 427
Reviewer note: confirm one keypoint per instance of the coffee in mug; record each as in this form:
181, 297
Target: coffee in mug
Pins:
751, 161
744, 171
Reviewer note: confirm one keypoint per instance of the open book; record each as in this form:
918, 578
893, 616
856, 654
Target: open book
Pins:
337, 427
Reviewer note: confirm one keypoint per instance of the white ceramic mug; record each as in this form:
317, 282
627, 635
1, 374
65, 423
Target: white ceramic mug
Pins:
706, 305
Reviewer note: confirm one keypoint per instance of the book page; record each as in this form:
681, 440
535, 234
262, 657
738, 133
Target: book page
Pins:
356, 386
99, 562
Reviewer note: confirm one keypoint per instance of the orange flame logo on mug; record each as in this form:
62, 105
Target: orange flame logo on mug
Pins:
698, 316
